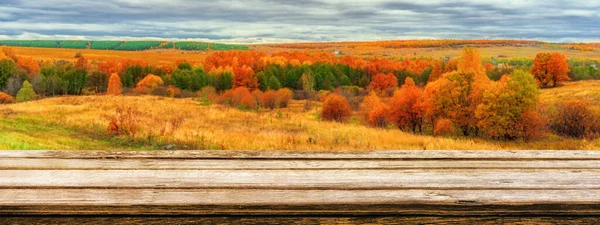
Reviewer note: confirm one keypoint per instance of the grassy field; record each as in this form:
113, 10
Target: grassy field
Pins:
153, 57
589, 90
80, 123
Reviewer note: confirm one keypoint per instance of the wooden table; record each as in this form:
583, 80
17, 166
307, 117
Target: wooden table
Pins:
483, 187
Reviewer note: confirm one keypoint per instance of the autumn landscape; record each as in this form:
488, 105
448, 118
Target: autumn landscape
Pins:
419, 94
351, 75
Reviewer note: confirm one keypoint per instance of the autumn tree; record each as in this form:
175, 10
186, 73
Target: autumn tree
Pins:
383, 82
114, 85
149, 82
109, 67
244, 77
26, 93
504, 103
336, 108
550, 69
30, 65
443, 127
405, 107
373, 111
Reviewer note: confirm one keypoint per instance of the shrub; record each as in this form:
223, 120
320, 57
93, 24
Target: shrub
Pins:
26, 93
257, 95
125, 122
114, 85
208, 93
149, 82
173, 92
284, 96
233, 97
6, 99
574, 119
336, 108
443, 127
248, 102
269, 99
532, 125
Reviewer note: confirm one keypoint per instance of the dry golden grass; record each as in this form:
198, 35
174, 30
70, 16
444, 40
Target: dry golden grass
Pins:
589, 90
219, 127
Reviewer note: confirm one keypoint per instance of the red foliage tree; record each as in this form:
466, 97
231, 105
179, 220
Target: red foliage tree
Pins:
336, 108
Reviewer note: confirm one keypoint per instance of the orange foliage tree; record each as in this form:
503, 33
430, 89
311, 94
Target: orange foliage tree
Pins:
405, 107
383, 82
550, 69
336, 108
109, 67
443, 127
373, 111
244, 77
115, 87
146, 85
29, 64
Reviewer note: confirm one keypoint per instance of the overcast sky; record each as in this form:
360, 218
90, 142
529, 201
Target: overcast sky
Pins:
255, 21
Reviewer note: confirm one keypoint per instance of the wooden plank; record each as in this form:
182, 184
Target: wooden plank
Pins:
340, 155
270, 197
407, 220
305, 179
244, 164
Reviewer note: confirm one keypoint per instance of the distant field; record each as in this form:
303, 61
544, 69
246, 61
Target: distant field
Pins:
123, 45
153, 57
164, 56
486, 52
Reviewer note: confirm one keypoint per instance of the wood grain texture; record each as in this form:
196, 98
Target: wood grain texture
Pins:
483, 187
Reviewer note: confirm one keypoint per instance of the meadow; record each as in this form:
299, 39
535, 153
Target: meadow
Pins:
79, 122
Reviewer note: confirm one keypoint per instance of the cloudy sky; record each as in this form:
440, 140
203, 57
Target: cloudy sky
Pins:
255, 21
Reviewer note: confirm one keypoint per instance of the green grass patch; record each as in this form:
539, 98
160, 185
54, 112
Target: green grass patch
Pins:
22, 133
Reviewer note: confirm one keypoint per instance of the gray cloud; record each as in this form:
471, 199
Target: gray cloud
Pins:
250, 21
